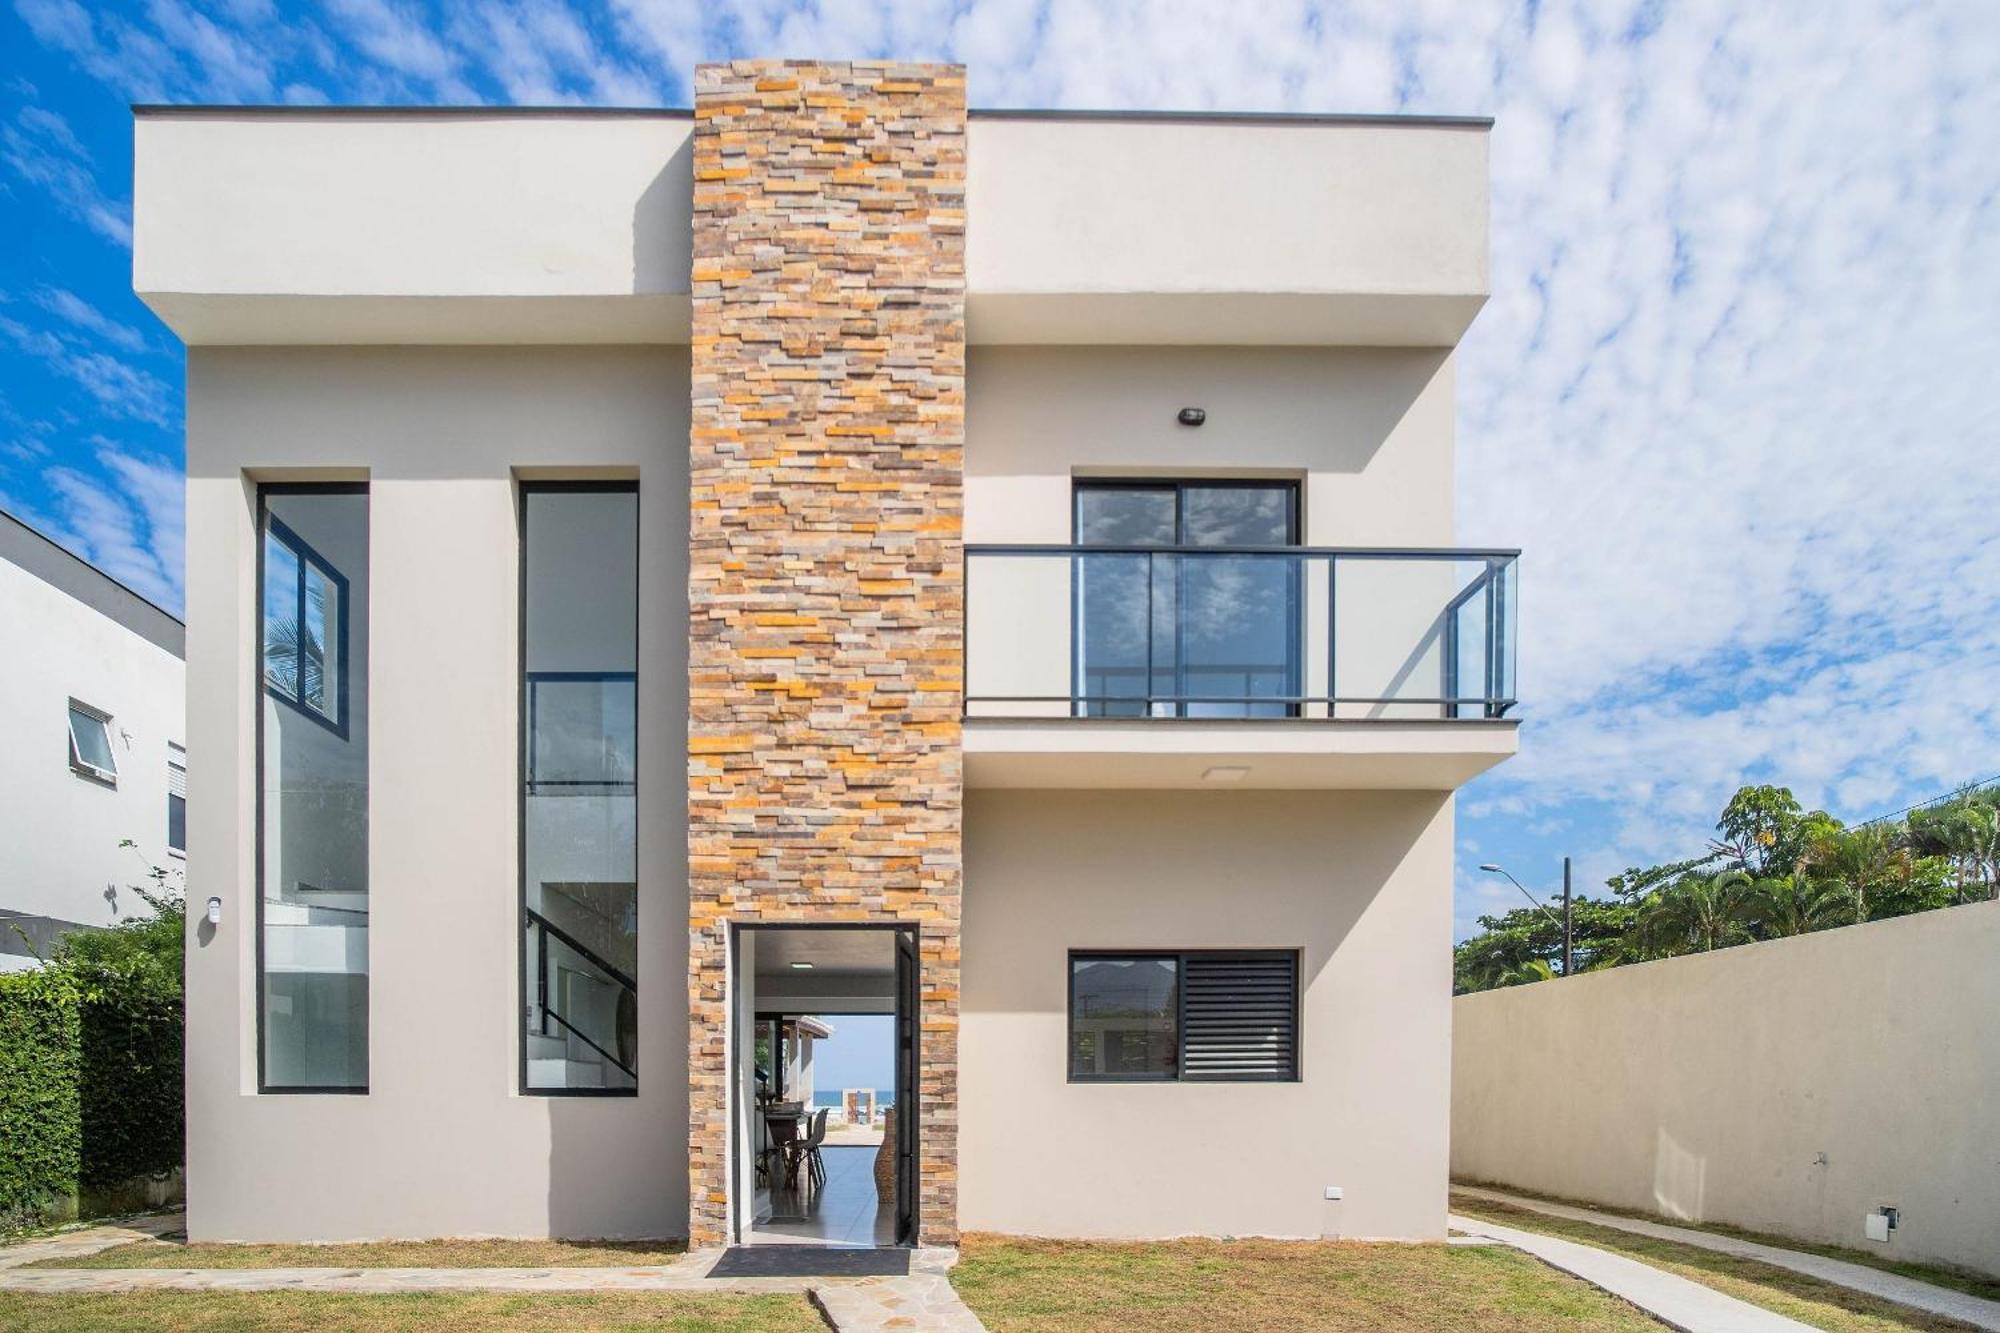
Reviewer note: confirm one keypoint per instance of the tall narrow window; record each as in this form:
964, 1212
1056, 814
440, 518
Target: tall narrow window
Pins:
313, 789
579, 775
177, 792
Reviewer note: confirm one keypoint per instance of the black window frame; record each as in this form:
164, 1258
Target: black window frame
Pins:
270, 525
1180, 959
1294, 488
265, 490
523, 759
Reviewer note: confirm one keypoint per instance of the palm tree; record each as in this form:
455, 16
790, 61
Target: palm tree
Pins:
1696, 913
1966, 832
1856, 863
1792, 905
1532, 970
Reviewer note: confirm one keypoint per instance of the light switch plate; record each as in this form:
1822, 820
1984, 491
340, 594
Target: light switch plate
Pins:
1333, 1191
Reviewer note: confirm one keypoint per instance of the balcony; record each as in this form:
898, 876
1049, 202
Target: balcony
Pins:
1258, 666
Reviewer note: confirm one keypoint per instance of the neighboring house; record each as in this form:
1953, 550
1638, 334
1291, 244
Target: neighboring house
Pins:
997, 568
91, 696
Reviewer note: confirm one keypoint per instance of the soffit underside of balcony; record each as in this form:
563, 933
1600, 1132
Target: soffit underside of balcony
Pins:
1303, 753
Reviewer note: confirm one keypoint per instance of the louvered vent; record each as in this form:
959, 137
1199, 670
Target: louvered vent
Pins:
1241, 1016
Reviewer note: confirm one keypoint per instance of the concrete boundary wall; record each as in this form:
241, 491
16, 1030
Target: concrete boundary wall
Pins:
1792, 1086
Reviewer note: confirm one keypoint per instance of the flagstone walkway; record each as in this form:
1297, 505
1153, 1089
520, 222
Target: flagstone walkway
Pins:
922, 1302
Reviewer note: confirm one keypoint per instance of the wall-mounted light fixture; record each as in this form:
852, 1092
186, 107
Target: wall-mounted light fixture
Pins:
1193, 416
214, 912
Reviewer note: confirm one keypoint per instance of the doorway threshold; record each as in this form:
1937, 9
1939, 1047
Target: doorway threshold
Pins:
812, 1261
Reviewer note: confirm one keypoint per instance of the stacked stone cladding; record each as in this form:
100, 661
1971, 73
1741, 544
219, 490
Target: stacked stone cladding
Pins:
826, 584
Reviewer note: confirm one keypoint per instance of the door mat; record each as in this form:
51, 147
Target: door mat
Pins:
811, 1261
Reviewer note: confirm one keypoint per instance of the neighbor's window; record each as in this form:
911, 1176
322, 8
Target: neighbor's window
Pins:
177, 790
313, 789
90, 743
1208, 1015
305, 624
579, 787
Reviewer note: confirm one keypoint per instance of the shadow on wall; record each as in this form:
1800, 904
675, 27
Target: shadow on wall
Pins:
662, 237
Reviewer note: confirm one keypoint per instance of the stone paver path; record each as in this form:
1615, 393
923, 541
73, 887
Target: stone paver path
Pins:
1674, 1300
89, 1240
1925, 1296
922, 1302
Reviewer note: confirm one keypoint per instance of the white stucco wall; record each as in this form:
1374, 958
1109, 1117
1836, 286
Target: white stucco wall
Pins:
1360, 881
62, 831
443, 1143
1709, 1087
517, 226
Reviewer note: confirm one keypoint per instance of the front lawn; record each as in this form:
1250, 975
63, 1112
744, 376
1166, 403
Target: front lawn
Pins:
384, 1254
1037, 1286
425, 1312
1794, 1295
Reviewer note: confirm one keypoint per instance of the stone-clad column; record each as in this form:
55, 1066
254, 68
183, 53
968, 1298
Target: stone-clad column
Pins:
825, 585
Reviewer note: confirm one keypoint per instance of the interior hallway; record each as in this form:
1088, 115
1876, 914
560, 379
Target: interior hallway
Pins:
843, 1211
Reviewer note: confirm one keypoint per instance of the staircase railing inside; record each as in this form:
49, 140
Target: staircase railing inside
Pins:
544, 1004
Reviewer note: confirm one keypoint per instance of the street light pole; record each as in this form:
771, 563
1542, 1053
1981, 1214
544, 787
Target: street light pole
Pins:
1563, 923
1569, 926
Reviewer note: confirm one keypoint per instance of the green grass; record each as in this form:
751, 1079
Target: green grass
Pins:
1794, 1295
1957, 1279
1038, 1286
426, 1312
383, 1254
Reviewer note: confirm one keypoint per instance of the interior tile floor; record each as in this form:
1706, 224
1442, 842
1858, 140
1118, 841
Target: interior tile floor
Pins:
843, 1211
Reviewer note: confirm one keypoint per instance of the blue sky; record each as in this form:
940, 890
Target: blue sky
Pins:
857, 1055
1732, 393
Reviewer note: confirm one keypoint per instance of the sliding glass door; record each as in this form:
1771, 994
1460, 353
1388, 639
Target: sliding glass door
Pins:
1201, 626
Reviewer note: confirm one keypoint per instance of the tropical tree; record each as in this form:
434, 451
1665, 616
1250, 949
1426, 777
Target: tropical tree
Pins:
1763, 831
1791, 905
1965, 833
1696, 913
1862, 864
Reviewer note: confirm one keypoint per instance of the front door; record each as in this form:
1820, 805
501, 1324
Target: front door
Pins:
908, 1029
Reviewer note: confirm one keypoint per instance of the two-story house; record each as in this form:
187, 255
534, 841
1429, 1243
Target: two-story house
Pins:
995, 570
93, 774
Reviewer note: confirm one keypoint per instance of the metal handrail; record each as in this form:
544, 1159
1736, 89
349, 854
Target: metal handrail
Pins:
1354, 552
1490, 582
590, 956
584, 1037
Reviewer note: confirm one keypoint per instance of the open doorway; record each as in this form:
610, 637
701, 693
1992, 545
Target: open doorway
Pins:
825, 1085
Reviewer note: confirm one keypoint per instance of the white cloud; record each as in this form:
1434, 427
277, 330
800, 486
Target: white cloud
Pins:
76, 310
129, 519
121, 389
39, 147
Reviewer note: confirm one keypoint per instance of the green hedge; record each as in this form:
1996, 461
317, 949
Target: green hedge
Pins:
41, 1121
90, 1087
130, 1085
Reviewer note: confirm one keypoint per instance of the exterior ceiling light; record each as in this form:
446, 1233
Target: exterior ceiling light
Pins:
802, 967
1226, 773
